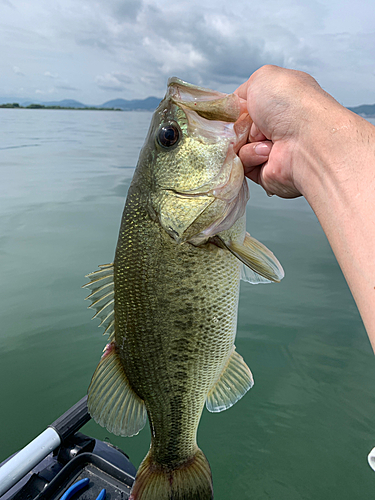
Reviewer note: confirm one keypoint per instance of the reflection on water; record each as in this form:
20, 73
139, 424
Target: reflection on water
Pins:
303, 431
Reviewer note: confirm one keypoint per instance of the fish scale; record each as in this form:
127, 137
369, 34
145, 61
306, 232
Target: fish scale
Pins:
193, 306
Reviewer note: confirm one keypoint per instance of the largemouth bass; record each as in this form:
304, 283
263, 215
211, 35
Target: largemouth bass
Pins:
169, 300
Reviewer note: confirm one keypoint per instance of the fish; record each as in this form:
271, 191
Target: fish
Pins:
169, 299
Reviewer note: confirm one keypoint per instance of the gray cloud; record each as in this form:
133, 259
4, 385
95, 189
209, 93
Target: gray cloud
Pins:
66, 86
113, 81
210, 49
7, 3
124, 9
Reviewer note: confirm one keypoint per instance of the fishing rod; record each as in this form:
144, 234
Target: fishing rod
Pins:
22, 462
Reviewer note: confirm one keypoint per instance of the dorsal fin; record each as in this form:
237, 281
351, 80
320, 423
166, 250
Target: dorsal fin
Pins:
102, 297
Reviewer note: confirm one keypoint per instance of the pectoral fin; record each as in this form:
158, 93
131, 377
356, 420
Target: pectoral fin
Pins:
235, 380
258, 258
112, 403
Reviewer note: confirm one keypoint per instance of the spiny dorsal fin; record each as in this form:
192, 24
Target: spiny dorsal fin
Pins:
102, 297
258, 258
112, 403
235, 380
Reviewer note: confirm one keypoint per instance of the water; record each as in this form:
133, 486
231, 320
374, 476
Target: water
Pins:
303, 431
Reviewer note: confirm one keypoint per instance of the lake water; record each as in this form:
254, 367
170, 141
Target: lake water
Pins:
303, 431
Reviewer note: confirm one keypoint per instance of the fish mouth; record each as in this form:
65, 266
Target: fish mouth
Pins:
207, 103
197, 217
226, 217
195, 214
228, 192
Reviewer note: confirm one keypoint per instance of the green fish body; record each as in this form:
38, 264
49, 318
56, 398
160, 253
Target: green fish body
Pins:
169, 300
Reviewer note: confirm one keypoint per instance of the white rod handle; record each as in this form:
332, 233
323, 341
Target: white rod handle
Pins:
27, 458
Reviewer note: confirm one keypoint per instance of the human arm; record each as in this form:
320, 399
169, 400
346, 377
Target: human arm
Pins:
321, 150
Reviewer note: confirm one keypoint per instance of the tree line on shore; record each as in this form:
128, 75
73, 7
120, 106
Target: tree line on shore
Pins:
42, 106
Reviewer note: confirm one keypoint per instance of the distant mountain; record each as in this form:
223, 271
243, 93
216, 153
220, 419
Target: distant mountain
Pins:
365, 110
149, 104
65, 103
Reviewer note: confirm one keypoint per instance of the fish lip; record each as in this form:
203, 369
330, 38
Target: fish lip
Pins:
175, 85
233, 212
188, 194
207, 103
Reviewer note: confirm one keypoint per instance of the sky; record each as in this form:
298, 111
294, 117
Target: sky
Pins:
97, 50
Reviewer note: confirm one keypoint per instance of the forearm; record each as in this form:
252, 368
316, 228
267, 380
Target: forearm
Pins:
311, 145
339, 184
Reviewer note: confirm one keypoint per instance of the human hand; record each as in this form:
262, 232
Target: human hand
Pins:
311, 145
290, 112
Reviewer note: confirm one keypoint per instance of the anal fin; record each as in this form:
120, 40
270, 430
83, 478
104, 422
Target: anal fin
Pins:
235, 380
112, 403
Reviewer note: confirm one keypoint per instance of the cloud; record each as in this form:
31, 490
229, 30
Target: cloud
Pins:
7, 3
51, 75
66, 86
209, 49
214, 48
113, 81
102, 25
45, 92
133, 46
124, 9
17, 71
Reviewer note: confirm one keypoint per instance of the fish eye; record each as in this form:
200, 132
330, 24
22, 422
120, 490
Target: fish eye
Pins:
168, 135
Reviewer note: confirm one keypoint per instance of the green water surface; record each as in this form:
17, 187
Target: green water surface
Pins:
303, 431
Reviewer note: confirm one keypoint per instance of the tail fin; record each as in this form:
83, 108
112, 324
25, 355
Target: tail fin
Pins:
190, 481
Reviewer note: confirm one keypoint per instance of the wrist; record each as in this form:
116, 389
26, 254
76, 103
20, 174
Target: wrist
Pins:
328, 155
